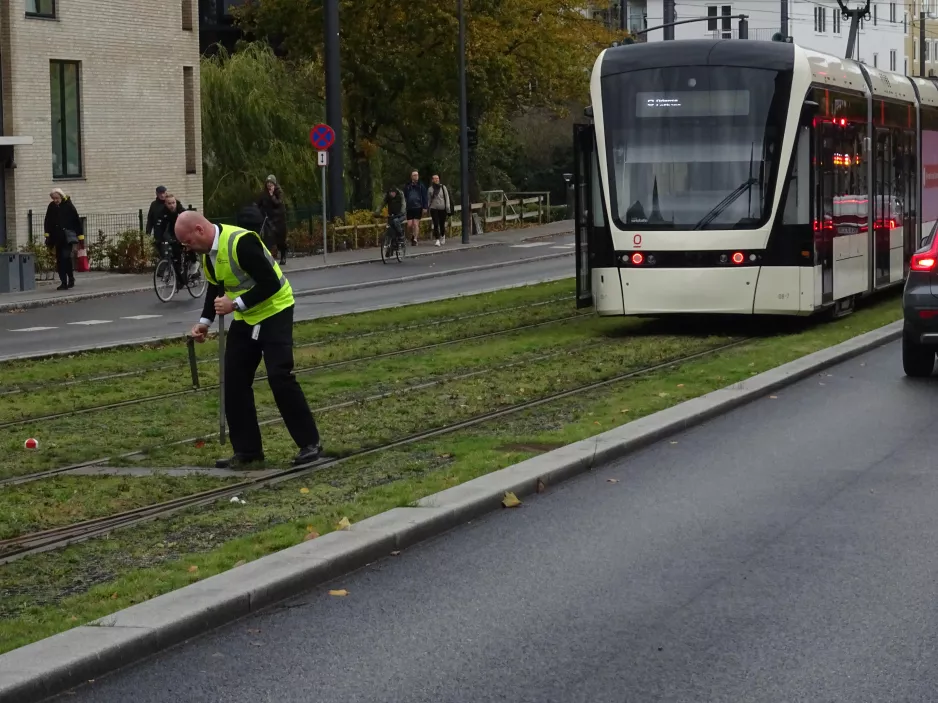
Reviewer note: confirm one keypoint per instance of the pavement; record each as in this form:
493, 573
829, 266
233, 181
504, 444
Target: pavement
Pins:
772, 541
99, 284
321, 292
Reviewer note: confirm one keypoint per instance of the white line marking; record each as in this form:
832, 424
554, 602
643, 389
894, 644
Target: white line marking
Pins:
91, 322
530, 244
564, 246
34, 329
141, 317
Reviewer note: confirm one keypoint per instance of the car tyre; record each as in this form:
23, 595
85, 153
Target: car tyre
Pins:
918, 360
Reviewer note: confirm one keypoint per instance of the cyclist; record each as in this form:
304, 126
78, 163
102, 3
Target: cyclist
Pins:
164, 231
394, 201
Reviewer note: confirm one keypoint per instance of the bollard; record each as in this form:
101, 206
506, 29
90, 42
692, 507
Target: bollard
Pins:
193, 365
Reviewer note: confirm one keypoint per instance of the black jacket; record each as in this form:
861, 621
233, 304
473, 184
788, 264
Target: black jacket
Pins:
274, 210
156, 209
164, 227
58, 219
394, 202
254, 262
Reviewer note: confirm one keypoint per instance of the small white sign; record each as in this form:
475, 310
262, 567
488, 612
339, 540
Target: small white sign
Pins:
323, 158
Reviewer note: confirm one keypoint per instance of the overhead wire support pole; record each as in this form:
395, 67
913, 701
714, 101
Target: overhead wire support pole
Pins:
854, 15
466, 209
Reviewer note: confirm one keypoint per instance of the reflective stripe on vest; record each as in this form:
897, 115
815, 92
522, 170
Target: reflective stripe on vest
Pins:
245, 282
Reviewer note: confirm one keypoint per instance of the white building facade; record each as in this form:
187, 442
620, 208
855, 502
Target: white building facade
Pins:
814, 24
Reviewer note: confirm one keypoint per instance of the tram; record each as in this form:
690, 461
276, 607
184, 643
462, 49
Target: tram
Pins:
749, 177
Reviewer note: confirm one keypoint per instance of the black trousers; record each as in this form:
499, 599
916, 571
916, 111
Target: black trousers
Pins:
439, 223
242, 357
63, 256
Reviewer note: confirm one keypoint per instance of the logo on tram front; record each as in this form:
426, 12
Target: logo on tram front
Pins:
637, 241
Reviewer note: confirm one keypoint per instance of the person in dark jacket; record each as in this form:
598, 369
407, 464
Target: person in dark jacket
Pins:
415, 196
63, 230
156, 208
164, 230
394, 202
272, 205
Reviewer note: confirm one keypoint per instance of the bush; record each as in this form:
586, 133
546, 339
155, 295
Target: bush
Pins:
131, 252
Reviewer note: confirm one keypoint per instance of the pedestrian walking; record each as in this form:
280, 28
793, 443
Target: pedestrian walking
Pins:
244, 279
415, 198
62, 231
441, 207
272, 205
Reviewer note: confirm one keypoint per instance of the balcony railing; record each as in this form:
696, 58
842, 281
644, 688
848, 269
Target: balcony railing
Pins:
754, 34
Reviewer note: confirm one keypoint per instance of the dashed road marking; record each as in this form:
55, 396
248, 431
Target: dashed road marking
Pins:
564, 246
34, 329
141, 317
91, 322
530, 244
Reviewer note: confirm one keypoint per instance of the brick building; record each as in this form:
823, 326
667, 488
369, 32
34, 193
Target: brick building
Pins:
99, 98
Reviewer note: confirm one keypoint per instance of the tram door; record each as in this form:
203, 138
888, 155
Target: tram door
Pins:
584, 153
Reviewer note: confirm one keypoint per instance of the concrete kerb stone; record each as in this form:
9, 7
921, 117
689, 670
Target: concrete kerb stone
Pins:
49, 302
57, 663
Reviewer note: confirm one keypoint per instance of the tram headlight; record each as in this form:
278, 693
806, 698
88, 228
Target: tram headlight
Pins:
637, 259
738, 257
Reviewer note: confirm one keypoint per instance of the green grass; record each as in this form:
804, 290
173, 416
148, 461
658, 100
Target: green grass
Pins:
24, 373
47, 593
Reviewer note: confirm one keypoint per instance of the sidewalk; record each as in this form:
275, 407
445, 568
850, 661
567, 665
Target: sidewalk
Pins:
97, 284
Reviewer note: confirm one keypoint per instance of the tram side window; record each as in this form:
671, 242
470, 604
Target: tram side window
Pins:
885, 179
797, 210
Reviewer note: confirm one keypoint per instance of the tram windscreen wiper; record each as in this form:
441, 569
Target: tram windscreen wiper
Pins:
725, 203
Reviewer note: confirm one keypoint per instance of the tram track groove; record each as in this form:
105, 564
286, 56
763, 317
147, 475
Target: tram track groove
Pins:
8, 391
33, 543
299, 372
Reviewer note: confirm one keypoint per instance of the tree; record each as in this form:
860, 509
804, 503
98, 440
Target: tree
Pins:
399, 69
256, 115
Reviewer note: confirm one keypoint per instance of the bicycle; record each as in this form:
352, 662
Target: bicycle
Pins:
394, 243
166, 276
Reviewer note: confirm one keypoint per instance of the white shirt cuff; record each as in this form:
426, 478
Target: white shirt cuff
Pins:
205, 321
240, 304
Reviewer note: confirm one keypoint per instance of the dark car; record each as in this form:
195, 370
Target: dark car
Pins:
920, 310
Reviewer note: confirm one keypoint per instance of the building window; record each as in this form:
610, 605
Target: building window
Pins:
875, 60
187, 24
905, 22
926, 50
836, 23
188, 99
712, 18
875, 6
727, 11
892, 12
820, 19
892, 60
40, 8
64, 87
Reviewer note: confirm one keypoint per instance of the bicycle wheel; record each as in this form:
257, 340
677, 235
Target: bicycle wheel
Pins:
164, 280
195, 280
401, 250
386, 248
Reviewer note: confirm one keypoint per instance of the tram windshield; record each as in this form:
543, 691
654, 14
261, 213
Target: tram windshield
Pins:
694, 147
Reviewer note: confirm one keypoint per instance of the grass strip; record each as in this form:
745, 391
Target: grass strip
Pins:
28, 372
48, 593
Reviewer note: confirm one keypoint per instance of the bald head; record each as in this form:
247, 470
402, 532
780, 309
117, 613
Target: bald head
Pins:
195, 232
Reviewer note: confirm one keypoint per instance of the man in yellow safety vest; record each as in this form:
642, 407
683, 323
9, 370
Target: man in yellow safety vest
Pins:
244, 279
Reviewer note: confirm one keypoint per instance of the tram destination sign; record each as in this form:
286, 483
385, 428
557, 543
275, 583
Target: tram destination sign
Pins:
692, 103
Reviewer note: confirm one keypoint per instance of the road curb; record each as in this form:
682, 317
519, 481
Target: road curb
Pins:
34, 304
62, 661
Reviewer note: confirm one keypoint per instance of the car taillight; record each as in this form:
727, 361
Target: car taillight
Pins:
923, 262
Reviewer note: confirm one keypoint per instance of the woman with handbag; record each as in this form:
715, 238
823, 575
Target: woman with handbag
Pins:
63, 230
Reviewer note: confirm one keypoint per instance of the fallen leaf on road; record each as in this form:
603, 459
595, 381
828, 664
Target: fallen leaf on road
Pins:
304, 490
773, 397
612, 480
396, 553
193, 569
340, 592
344, 524
253, 631
673, 442
257, 644
310, 535
510, 500
240, 562
540, 486
821, 383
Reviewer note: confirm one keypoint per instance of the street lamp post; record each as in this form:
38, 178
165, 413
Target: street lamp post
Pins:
463, 131
334, 111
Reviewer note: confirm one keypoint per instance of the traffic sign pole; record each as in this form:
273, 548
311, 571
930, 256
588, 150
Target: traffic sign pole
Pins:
322, 137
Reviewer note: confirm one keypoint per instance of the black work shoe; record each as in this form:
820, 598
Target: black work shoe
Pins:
308, 455
239, 461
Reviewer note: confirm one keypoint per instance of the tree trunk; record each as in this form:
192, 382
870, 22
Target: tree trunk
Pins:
359, 170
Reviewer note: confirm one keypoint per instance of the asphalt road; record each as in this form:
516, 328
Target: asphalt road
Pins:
787, 551
141, 316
